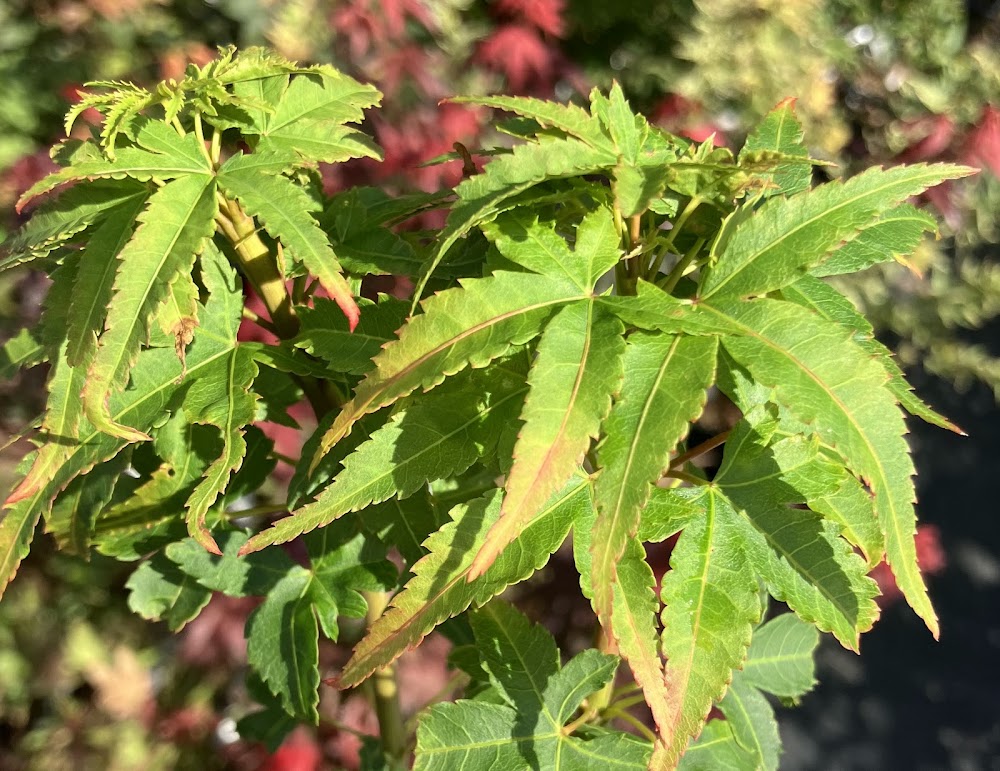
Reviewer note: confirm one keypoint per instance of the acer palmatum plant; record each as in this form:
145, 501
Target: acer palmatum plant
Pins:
589, 288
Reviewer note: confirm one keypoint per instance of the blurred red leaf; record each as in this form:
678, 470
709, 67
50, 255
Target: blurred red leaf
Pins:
215, 638
519, 53
407, 62
395, 13
982, 146
932, 138
930, 557
298, 753
547, 15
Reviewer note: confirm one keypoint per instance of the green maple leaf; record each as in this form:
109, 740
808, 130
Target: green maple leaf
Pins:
173, 230
57, 221
830, 304
155, 381
781, 133
483, 196
525, 730
577, 370
162, 155
74, 513
780, 662
433, 437
712, 603
801, 557
308, 114
220, 397
896, 233
326, 334
663, 392
160, 590
298, 602
632, 613
822, 377
440, 587
23, 350
788, 236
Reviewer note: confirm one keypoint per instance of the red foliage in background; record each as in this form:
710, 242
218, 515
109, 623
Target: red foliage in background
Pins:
930, 557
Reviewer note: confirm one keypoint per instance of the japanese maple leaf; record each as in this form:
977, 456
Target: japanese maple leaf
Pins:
408, 62
395, 13
518, 51
547, 15
983, 143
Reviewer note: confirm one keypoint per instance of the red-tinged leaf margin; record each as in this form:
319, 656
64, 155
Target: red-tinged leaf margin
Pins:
17, 528
584, 374
685, 371
693, 639
868, 442
504, 310
402, 628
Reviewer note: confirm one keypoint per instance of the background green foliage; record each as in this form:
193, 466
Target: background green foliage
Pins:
877, 83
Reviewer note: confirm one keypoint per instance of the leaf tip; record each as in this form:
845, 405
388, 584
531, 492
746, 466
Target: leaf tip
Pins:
788, 103
931, 620
205, 539
482, 562
22, 491
350, 309
127, 433
250, 547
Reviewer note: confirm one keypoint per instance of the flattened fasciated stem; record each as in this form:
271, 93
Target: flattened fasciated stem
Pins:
257, 263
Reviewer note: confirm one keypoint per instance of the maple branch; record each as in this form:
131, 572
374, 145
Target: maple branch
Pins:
384, 691
677, 273
259, 265
701, 449
685, 477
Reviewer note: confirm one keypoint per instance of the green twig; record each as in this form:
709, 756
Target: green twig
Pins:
384, 691
685, 477
631, 701
625, 690
259, 265
216, 150
199, 131
670, 282
632, 720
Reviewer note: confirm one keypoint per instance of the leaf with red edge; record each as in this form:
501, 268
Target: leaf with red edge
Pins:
440, 587
712, 604
633, 613
467, 326
285, 210
578, 368
666, 378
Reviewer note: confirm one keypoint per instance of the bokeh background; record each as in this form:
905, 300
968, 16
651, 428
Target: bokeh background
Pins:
85, 684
